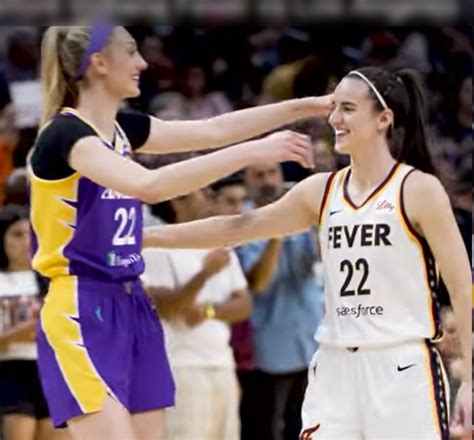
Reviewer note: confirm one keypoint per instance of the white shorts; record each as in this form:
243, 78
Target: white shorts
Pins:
399, 392
207, 405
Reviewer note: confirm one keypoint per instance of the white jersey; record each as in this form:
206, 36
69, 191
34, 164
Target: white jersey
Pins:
380, 275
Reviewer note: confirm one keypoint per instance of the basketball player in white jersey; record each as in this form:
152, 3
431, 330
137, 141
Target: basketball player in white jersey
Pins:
386, 228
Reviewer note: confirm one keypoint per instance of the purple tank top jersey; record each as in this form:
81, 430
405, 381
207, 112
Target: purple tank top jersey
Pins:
84, 229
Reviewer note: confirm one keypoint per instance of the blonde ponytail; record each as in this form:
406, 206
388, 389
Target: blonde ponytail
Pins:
62, 51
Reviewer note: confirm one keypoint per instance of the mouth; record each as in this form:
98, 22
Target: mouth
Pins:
341, 135
136, 78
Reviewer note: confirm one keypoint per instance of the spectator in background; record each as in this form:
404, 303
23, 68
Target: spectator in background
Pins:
454, 128
230, 197
294, 53
287, 310
22, 55
160, 74
8, 134
16, 188
22, 404
199, 101
198, 294
21, 71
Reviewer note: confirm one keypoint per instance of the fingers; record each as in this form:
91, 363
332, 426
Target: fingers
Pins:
461, 422
301, 156
299, 150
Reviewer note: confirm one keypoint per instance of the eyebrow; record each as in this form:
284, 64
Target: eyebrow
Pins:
348, 103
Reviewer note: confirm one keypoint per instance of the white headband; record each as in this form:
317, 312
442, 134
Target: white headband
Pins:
372, 87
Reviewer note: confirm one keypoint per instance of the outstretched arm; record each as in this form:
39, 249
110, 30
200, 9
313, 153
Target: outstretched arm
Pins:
91, 159
429, 210
295, 212
230, 128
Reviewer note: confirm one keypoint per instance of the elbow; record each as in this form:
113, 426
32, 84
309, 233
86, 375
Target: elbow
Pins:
148, 196
147, 192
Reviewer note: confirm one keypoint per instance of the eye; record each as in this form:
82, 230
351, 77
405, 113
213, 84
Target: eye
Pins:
348, 108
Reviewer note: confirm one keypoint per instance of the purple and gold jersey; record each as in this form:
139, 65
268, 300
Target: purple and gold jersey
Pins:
81, 228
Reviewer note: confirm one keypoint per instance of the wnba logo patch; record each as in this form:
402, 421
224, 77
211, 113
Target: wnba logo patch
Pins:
307, 434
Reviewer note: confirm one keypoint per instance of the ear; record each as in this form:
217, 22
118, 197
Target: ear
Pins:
99, 64
385, 120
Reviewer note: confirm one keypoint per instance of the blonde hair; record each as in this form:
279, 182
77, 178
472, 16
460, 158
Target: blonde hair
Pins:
63, 49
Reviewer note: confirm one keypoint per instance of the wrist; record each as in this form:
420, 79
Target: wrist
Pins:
248, 153
306, 107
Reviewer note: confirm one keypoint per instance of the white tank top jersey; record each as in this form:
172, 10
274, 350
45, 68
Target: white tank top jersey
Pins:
381, 280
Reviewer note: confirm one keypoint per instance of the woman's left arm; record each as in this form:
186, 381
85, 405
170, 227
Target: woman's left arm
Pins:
429, 209
230, 128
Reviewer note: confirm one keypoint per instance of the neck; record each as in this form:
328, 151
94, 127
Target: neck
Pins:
19, 267
100, 108
370, 167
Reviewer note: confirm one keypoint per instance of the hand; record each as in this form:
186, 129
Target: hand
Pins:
195, 315
215, 262
281, 147
461, 420
322, 105
23, 332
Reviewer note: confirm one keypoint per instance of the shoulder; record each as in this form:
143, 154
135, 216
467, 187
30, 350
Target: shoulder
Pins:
50, 157
422, 194
64, 126
420, 186
312, 190
137, 127
128, 116
318, 183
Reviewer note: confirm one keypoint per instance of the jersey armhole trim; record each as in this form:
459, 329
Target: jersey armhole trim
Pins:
33, 176
430, 271
327, 191
408, 226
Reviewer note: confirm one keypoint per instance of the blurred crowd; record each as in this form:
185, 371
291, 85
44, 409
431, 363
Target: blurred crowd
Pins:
239, 323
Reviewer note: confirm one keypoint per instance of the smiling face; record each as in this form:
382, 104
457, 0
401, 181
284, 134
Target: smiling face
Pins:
355, 119
120, 65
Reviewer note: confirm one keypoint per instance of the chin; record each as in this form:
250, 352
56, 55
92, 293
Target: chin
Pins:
133, 92
342, 148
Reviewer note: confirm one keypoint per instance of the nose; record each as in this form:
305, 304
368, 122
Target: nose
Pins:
143, 65
335, 118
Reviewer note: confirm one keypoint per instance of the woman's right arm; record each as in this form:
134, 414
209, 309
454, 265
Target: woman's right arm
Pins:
91, 159
294, 212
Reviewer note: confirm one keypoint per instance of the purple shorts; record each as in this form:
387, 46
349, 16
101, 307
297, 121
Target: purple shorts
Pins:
99, 338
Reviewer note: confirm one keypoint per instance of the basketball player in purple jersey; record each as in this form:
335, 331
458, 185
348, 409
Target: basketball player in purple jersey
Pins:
386, 226
101, 353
